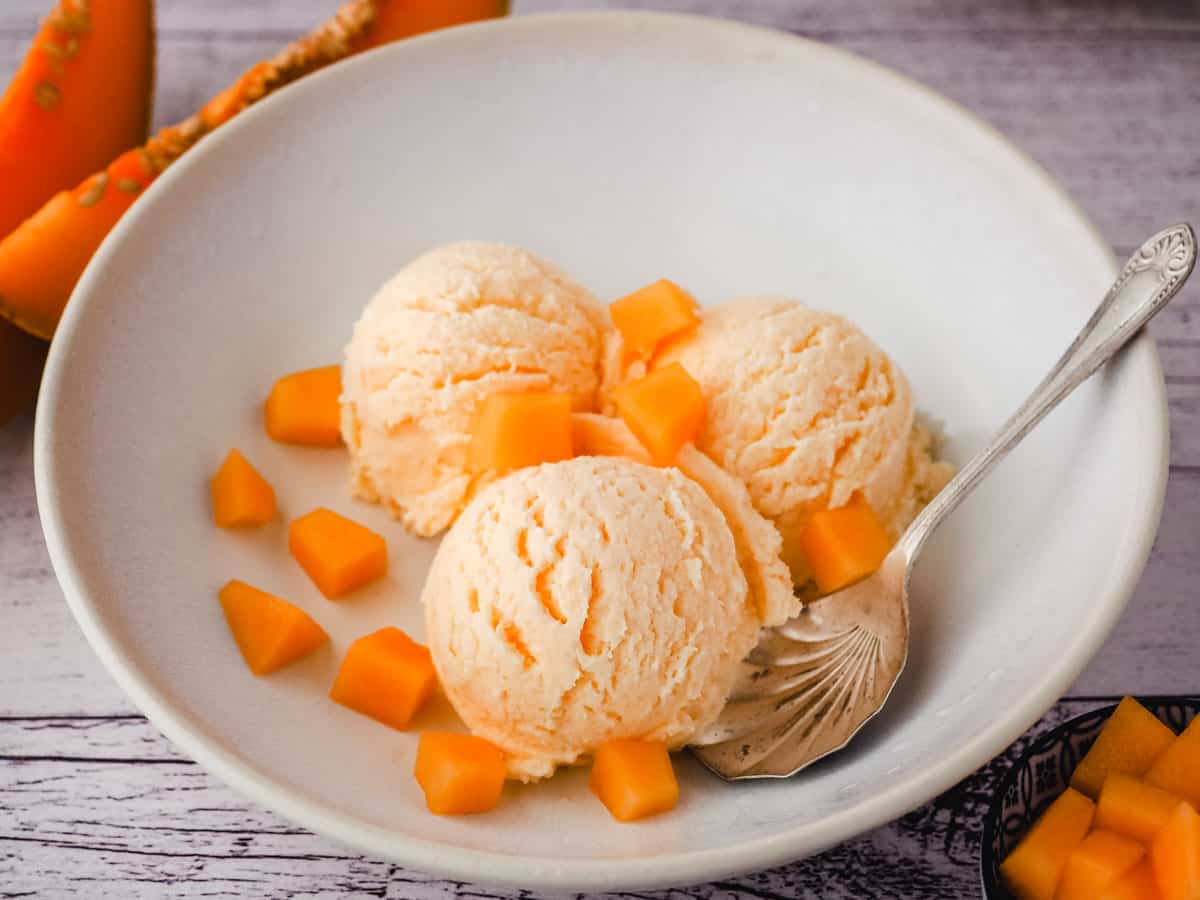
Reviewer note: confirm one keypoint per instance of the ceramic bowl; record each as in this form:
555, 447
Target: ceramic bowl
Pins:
1043, 772
625, 147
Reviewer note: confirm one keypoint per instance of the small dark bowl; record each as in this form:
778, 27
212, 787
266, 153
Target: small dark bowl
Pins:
1043, 772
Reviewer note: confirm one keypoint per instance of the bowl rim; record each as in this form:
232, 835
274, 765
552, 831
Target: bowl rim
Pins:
558, 874
993, 891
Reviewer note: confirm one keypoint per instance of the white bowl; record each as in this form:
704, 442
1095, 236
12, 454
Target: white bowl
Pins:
625, 147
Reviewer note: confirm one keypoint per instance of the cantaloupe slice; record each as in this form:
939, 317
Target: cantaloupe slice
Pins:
514, 430
1175, 854
81, 97
844, 545
1138, 883
1177, 768
305, 408
400, 18
1033, 869
339, 555
387, 676
664, 409
1096, 864
634, 779
241, 496
268, 630
1130, 807
1129, 742
459, 773
21, 359
652, 314
41, 261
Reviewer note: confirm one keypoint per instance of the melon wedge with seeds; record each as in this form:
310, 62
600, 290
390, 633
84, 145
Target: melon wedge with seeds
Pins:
81, 97
39, 271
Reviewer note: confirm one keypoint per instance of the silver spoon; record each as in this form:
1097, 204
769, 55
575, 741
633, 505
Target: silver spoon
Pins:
812, 683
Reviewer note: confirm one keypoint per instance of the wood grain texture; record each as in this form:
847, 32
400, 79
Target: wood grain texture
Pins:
131, 818
1106, 95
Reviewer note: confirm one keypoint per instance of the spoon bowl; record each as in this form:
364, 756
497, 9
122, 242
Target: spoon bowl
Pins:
812, 683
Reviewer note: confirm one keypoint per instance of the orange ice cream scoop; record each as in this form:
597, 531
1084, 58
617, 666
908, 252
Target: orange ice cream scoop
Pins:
584, 601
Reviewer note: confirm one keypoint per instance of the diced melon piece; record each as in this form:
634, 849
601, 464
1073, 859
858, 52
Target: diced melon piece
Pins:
1176, 855
459, 773
386, 675
1133, 808
1177, 768
1138, 883
240, 496
1033, 869
1127, 744
844, 545
665, 409
1097, 863
597, 435
652, 314
339, 555
269, 631
305, 408
634, 779
517, 430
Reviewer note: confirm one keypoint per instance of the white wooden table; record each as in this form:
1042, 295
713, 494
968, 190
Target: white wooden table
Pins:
94, 803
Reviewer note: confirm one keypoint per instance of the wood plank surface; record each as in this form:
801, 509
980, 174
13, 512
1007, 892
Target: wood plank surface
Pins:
1106, 95
131, 818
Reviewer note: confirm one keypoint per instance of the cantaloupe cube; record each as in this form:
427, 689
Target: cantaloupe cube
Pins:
512, 431
1097, 863
1177, 768
665, 410
1138, 883
305, 408
1033, 869
597, 435
634, 779
386, 675
843, 545
652, 314
1128, 743
1133, 808
1175, 854
269, 631
339, 555
459, 773
240, 496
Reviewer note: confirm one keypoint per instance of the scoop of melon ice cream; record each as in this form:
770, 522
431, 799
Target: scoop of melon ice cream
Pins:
453, 326
586, 600
807, 411
756, 539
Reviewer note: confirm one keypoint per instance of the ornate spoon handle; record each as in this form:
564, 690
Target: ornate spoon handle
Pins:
1147, 282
